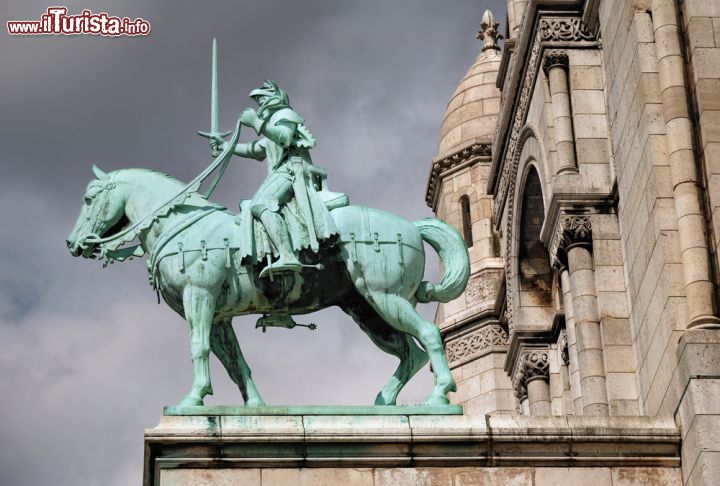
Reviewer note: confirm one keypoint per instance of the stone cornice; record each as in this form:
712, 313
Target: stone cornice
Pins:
443, 165
409, 441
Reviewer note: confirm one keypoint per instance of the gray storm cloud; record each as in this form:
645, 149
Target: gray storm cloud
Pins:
87, 357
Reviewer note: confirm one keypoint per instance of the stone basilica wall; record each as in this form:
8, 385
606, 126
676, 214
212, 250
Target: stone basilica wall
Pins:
598, 194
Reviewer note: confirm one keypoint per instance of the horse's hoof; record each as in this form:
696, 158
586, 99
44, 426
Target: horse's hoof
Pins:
255, 402
435, 400
191, 401
381, 401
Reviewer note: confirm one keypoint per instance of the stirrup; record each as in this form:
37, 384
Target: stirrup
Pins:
281, 267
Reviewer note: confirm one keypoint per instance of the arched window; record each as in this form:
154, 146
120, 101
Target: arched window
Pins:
466, 220
535, 273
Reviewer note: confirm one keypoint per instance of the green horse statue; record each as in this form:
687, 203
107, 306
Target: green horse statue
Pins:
295, 248
373, 271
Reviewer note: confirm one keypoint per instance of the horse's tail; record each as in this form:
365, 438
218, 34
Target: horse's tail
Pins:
448, 243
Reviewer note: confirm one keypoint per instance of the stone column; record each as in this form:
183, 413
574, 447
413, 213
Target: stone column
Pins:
687, 191
531, 379
575, 391
573, 242
555, 64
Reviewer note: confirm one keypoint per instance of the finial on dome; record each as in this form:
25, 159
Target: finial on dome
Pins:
489, 31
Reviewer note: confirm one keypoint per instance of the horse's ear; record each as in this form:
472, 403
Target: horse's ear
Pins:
99, 172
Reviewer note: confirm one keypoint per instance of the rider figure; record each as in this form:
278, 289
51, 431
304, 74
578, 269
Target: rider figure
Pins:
285, 143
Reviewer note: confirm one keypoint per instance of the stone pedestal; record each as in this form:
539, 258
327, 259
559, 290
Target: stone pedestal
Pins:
203, 450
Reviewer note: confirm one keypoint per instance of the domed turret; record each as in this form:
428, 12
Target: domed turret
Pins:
456, 192
472, 112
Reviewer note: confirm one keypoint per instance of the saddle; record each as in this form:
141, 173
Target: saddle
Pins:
332, 200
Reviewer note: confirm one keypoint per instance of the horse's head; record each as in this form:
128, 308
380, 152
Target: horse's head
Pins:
102, 214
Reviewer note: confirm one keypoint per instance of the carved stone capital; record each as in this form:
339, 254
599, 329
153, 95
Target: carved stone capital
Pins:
532, 364
554, 58
571, 229
536, 364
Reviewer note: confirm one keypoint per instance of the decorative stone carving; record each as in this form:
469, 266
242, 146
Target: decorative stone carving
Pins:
563, 347
566, 29
555, 58
450, 162
505, 194
509, 275
482, 286
489, 33
531, 364
518, 382
475, 343
571, 229
535, 364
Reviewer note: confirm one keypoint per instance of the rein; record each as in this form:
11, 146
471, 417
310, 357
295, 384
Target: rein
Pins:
110, 247
167, 235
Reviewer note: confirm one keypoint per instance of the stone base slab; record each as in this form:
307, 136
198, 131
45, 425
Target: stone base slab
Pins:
302, 410
425, 476
232, 446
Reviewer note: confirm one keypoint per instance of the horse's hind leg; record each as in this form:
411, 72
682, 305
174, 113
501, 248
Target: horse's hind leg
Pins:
402, 315
394, 342
224, 344
199, 307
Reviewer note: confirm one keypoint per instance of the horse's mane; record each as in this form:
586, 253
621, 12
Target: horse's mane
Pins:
141, 171
198, 199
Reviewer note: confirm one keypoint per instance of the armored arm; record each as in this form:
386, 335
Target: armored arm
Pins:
281, 128
252, 150
282, 133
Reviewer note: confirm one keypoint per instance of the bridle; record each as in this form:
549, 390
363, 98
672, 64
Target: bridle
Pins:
112, 247
105, 186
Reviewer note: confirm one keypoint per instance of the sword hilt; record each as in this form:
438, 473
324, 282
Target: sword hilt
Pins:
211, 136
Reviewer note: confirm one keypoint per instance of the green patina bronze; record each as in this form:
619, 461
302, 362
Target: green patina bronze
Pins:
294, 248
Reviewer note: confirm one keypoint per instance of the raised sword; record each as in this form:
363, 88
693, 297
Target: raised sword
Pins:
214, 104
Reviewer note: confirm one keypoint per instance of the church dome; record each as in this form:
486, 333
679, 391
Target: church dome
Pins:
473, 109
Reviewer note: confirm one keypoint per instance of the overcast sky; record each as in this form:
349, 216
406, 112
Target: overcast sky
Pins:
87, 357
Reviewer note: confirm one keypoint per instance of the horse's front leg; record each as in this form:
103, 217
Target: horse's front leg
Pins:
224, 344
199, 305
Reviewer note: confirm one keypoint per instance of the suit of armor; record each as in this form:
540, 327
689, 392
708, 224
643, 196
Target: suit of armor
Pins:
285, 144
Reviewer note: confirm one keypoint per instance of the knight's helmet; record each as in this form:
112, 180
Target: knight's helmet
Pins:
274, 97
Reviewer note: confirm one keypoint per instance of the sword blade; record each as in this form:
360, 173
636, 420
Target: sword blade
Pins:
214, 109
